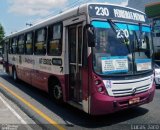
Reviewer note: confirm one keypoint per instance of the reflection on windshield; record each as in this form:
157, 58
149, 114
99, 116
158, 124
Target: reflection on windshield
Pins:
113, 56
122, 35
107, 43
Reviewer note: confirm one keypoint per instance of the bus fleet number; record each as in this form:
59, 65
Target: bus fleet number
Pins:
100, 11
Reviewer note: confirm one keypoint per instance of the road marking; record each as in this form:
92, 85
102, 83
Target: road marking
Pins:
13, 111
54, 123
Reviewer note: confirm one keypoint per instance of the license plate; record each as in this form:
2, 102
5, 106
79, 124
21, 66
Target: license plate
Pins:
134, 100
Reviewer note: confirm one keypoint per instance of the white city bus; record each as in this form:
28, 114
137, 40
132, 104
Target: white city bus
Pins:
96, 57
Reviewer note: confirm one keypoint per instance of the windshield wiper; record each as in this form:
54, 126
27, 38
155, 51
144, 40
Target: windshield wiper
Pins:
139, 43
139, 40
123, 39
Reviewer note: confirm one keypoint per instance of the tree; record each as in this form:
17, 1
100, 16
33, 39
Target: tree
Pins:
1, 32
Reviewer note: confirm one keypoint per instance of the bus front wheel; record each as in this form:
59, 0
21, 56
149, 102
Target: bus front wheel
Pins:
55, 92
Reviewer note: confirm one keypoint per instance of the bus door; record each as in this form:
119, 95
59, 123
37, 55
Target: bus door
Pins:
77, 90
75, 62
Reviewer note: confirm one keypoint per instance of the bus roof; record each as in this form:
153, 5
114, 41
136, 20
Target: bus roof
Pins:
82, 9
153, 10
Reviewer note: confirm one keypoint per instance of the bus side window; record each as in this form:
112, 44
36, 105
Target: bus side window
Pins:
29, 43
21, 44
55, 40
14, 45
40, 42
10, 47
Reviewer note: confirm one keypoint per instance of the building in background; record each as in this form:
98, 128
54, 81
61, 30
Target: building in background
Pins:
154, 15
153, 12
140, 4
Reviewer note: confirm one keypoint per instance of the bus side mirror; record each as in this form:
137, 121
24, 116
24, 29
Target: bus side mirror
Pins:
91, 36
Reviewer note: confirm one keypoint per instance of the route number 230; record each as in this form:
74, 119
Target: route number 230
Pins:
100, 11
122, 33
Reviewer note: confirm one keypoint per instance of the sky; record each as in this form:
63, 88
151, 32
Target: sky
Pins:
14, 14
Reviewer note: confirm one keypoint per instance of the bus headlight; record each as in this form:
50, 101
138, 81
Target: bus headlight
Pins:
152, 82
100, 89
99, 85
98, 82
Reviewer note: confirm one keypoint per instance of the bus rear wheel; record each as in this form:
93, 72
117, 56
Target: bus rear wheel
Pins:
55, 92
14, 75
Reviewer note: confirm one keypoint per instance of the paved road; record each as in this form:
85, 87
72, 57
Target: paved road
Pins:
70, 118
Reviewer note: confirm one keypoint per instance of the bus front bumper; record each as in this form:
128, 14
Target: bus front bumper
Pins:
104, 104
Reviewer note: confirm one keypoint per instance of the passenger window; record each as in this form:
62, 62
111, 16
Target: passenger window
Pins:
10, 47
21, 44
55, 40
29, 43
14, 45
40, 42
57, 31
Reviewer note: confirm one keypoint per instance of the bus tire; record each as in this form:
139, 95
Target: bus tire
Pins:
55, 92
14, 75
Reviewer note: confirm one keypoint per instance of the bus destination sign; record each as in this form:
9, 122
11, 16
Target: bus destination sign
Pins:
116, 13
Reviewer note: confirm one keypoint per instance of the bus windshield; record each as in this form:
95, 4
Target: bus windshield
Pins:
114, 55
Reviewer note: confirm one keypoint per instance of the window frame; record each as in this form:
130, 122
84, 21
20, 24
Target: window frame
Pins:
44, 42
10, 46
51, 39
12, 39
21, 44
32, 40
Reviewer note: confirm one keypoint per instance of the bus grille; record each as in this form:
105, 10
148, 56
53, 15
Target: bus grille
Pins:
129, 87
125, 92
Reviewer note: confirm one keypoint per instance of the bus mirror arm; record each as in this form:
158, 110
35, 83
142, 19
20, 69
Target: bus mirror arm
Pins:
90, 36
86, 43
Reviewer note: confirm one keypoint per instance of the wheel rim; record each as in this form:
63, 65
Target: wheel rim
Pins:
4, 70
14, 75
57, 92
